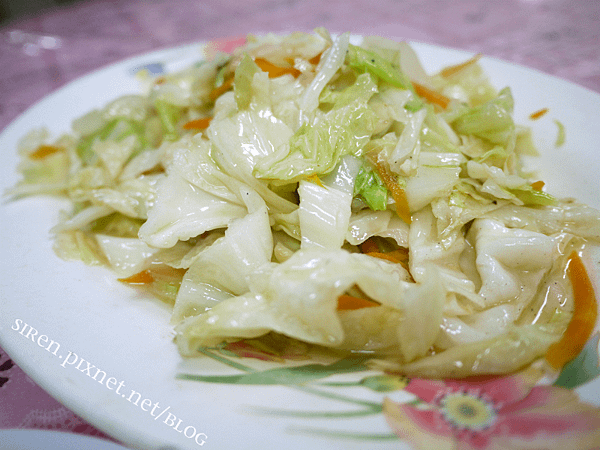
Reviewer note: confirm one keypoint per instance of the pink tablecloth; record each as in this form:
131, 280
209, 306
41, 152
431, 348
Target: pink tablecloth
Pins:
23, 404
39, 54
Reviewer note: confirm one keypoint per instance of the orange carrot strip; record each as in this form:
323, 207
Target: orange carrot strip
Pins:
538, 185
396, 256
401, 254
315, 59
584, 316
221, 89
348, 302
370, 246
451, 70
402, 208
198, 124
431, 96
314, 178
538, 114
144, 277
276, 71
387, 256
45, 150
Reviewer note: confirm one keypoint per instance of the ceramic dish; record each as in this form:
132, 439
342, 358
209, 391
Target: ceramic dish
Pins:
63, 322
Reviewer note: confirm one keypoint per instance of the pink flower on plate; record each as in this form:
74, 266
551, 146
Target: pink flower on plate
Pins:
493, 414
226, 45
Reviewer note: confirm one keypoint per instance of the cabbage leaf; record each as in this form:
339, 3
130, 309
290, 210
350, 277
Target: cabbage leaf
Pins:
317, 147
299, 298
220, 270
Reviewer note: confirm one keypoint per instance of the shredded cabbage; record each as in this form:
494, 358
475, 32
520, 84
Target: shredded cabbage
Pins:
261, 187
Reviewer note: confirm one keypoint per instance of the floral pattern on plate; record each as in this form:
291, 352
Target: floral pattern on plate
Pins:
498, 413
518, 411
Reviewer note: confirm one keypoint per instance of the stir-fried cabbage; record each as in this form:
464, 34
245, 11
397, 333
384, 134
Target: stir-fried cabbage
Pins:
259, 191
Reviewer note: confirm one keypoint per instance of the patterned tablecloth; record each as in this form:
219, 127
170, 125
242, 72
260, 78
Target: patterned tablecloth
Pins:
38, 54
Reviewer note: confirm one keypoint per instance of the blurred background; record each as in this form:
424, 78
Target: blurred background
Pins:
44, 44
15, 9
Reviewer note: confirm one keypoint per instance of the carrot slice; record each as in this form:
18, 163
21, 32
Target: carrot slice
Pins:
144, 277
370, 246
387, 256
431, 96
198, 124
348, 303
390, 181
315, 59
45, 150
381, 255
538, 185
314, 178
451, 70
222, 88
276, 71
584, 317
538, 114
399, 256
161, 281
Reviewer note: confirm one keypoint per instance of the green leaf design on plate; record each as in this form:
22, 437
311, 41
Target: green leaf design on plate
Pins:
385, 383
582, 369
377, 383
286, 375
344, 434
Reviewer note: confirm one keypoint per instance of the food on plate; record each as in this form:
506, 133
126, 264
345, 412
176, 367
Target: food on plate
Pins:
327, 189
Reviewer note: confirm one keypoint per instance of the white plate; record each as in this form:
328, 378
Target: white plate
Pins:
52, 440
87, 312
